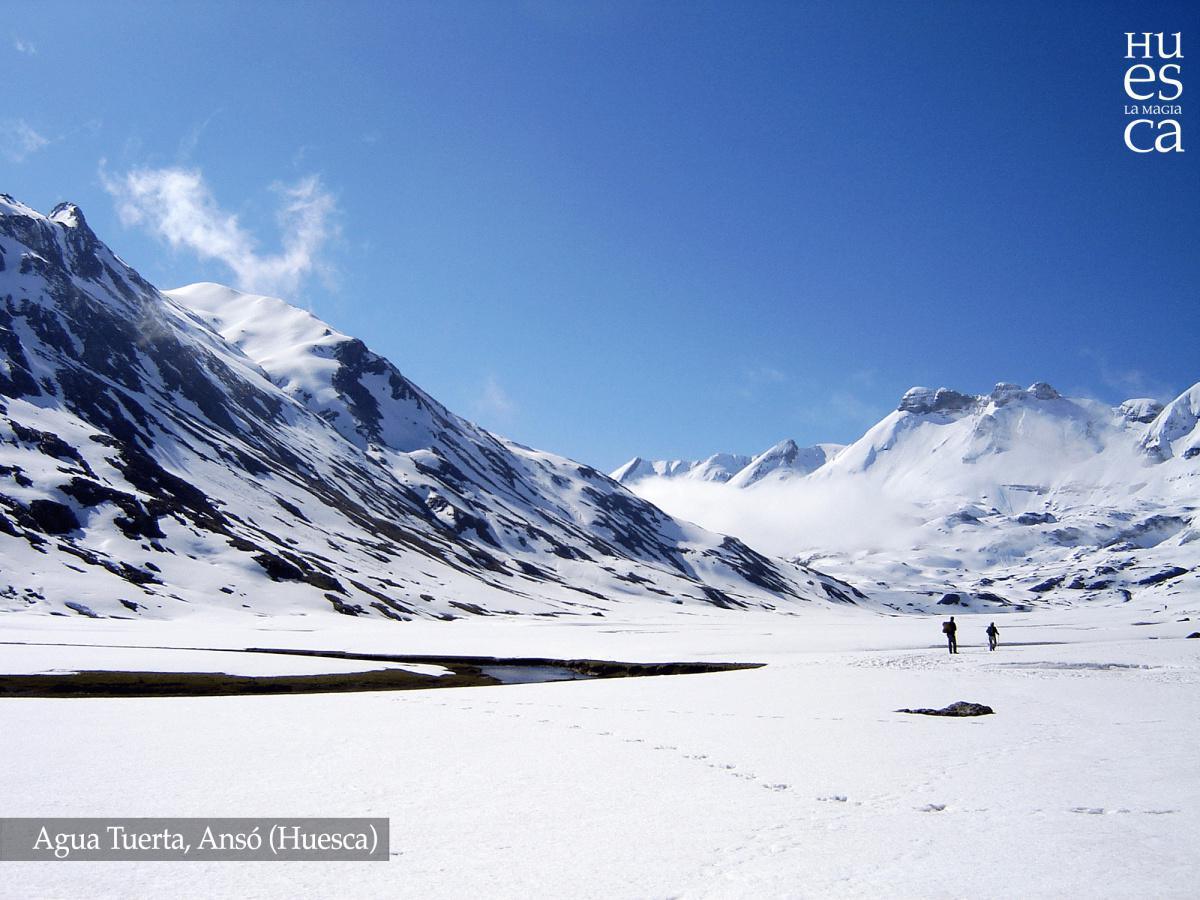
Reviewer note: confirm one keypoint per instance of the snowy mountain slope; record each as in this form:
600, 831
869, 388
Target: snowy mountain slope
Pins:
219, 448
720, 467
648, 468
1175, 431
783, 460
1140, 409
1017, 497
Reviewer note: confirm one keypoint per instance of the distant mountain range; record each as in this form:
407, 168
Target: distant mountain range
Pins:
165, 452
1010, 498
783, 460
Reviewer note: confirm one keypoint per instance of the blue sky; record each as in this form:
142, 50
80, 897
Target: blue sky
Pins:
656, 228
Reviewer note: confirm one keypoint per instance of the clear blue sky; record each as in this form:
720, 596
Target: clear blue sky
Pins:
656, 228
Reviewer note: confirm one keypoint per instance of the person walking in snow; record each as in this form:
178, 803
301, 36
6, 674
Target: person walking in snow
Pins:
950, 630
993, 634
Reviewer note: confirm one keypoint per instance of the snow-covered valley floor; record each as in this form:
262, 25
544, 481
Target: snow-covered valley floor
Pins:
796, 779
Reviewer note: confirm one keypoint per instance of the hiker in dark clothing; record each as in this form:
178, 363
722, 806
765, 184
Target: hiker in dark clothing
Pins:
950, 629
993, 634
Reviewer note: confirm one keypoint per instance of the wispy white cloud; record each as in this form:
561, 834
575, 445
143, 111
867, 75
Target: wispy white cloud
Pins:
766, 375
758, 379
19, 141
187, 146
177, 205
494, 403
23, 46
1125, 381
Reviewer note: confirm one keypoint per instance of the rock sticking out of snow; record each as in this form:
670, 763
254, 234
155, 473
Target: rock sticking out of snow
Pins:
1140, 409
959, 708
926, 400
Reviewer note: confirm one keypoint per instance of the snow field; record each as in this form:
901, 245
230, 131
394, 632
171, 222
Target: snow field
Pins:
796, 779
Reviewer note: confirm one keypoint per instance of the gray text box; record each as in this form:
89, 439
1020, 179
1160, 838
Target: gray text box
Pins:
211, 840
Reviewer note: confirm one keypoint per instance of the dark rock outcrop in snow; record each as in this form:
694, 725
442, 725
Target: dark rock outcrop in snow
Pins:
1143, 410
923, 400
957, 709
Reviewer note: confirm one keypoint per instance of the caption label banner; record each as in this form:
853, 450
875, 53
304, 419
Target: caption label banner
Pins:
210, 840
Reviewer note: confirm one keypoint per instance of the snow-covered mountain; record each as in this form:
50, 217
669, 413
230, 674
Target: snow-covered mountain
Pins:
1014, 497
719, 467
783, 460
1175, 431
203, 447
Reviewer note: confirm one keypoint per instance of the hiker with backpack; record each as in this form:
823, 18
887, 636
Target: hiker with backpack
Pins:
950, 630
993, 634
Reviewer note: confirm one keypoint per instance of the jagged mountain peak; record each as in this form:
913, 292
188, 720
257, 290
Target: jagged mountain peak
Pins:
70, 215
62, 250
1007, 392
784, 460
631, 471
923, 400
1040, 390
946, 401
67, 214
